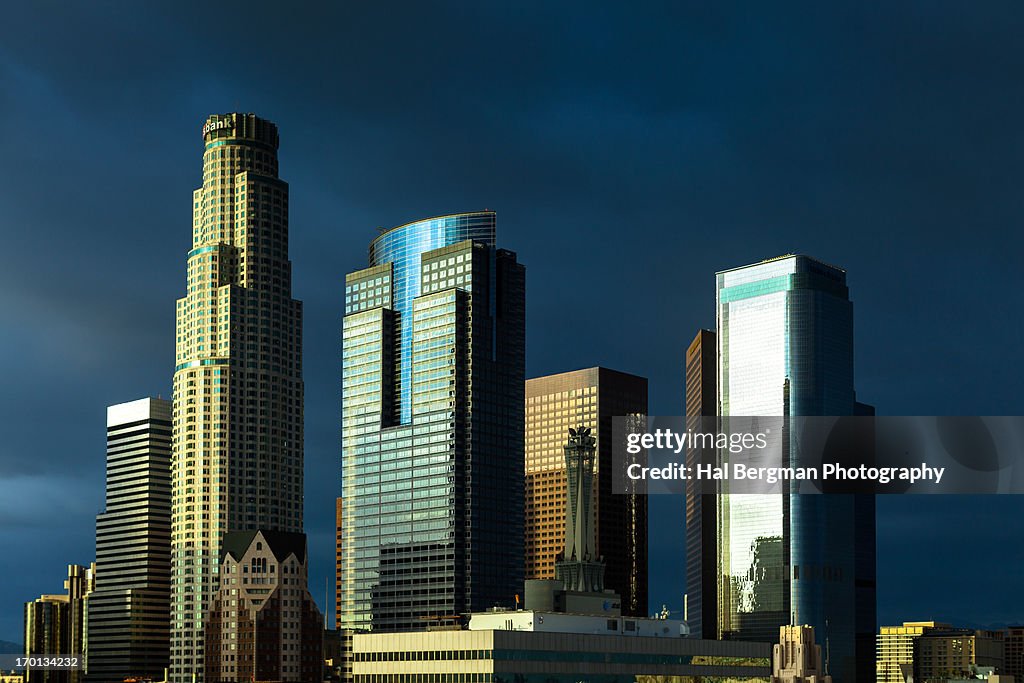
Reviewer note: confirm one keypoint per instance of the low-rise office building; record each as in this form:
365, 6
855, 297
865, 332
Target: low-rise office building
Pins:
527, 646
942, 655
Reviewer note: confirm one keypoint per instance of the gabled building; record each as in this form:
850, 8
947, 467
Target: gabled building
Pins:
263, 624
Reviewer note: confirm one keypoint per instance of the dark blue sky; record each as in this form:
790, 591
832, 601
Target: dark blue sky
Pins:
630, 153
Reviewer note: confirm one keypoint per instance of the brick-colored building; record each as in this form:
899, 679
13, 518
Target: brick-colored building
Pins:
263, 624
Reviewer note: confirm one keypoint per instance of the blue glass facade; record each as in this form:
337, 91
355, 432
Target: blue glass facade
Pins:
785, 348
402, 247
433, 369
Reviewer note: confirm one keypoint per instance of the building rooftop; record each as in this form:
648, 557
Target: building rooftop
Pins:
384, 231
281, 543
783, 257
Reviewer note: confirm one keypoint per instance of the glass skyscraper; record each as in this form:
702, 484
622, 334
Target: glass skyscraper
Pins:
237, 444
433, 362
785, 348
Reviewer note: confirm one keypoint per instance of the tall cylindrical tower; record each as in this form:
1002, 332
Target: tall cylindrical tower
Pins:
237, 446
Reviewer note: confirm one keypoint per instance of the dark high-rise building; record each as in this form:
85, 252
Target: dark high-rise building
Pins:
47, 632
554, 404
785, 348
129, 610
80, 585
263, 624
433, 360
1013, 652
701, 508
237, 445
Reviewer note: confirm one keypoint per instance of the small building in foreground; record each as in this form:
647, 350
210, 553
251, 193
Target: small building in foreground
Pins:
262, 624
527, 646
797, 658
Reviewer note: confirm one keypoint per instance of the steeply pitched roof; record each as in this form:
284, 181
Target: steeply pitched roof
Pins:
281, 544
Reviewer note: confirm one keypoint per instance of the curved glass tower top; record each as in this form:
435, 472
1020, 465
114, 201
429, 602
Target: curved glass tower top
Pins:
402, 247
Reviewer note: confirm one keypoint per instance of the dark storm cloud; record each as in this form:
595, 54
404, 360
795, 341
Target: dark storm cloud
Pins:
630, 153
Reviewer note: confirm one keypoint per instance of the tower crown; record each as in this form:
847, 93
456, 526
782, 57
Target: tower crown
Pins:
240, 126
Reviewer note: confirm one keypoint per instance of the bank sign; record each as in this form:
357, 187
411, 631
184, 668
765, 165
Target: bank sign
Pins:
219, 124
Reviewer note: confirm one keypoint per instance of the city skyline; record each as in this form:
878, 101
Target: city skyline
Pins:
111, 270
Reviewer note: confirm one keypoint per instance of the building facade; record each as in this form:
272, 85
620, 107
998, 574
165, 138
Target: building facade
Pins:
129, 610
1013, 652
701, 508
80, 584
433, 358
529, 647
554, 404
894, 658
263, 624
785, 348
945, 654
57, 625
237, 445
797, 657
47, 632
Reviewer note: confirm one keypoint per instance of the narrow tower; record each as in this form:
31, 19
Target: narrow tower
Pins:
238, 394
580, 569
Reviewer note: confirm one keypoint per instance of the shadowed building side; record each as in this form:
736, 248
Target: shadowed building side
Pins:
701, 508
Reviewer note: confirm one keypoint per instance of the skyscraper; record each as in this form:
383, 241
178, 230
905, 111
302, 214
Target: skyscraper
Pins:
555, 404
238, 394
432, 420
785, 348
129, 610
701, 508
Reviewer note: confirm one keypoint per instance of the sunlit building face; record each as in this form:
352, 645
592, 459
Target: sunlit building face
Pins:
785, 348
237, 444
433, 356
